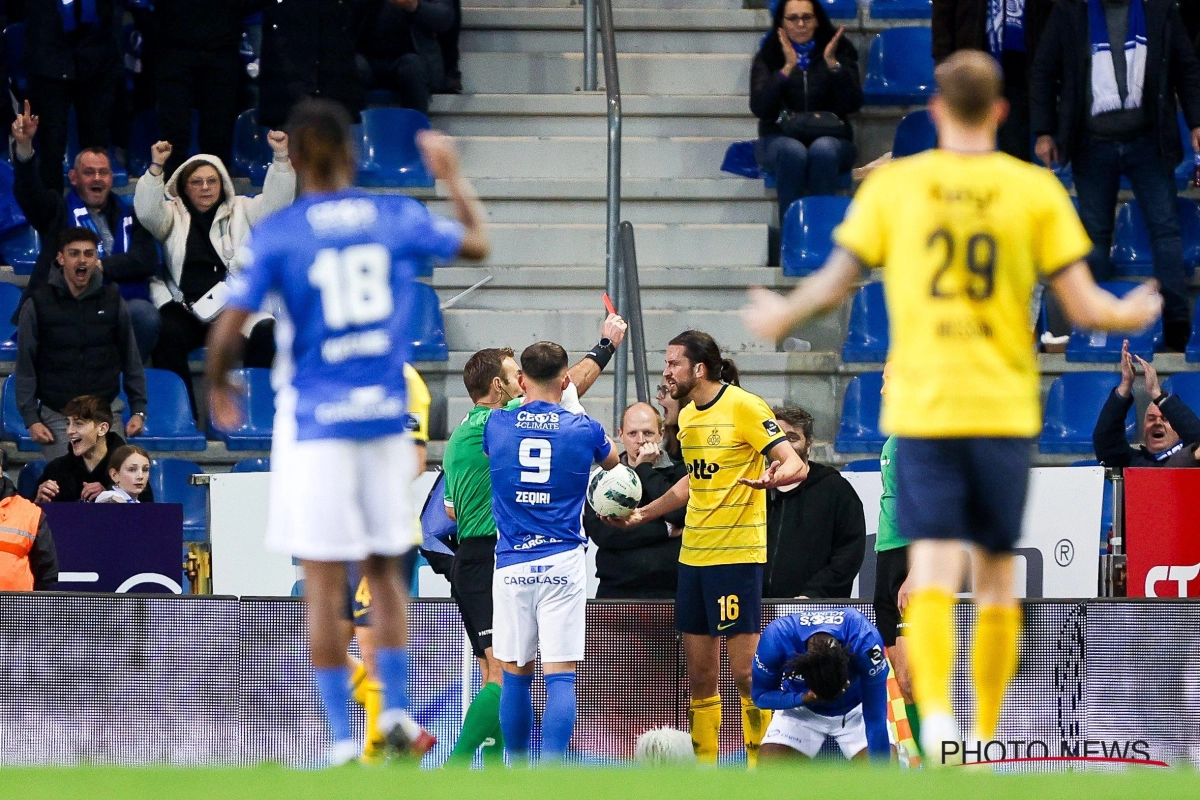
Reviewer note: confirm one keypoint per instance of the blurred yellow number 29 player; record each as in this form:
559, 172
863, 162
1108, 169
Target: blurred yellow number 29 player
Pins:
962, 234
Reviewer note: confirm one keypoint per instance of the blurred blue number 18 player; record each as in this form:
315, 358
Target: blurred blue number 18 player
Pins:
825, 675
343, 262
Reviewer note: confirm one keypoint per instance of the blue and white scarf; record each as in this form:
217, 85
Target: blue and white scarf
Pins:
80, 218
804, 53
89, 16
1105, 94
1005, 26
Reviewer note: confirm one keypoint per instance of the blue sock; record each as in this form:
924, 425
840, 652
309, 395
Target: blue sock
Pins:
558, 721
516, 715
392, 663
334, 685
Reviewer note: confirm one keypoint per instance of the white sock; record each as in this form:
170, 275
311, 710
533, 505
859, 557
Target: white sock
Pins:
398, 716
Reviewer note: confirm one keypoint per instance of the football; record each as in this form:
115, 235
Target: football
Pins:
615, 492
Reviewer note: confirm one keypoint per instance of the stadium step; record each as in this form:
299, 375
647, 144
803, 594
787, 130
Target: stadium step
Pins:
585, 114
557, 73
714, 245
567, 210
586, 157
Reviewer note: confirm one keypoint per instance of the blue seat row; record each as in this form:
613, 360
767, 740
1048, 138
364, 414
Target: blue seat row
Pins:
879, 9
1072, 408
386, 144
867, 336
169, 481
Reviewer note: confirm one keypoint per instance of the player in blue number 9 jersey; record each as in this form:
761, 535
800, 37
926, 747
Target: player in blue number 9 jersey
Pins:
343, 261
540, 458
825, 675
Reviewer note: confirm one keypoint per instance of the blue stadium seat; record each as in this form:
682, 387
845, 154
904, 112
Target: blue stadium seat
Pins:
28, 477
169, 482
900, 67
10, 418
867, 338
14, 55
739, 160
11, 215
1187, 386
1101, 347
862, 465
837, 9
1132, 252
807, 231
143, 133
1072, 408
252, 465
10, 296
859, 430
169, 422
1192, 353
915, 134
387, 150
258, 409
20, 247
428, 328
901, 9
1186, 170
1062, 171
251, 152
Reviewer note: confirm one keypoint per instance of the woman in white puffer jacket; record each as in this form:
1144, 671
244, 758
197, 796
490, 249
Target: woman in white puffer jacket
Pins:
202, 223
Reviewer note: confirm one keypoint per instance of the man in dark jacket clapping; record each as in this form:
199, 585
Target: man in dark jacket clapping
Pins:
1170, 429
641, 562
816, 530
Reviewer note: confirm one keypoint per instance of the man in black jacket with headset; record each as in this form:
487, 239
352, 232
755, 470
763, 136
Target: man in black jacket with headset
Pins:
641, 562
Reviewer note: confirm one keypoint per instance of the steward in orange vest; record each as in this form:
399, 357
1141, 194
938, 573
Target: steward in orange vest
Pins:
28, 560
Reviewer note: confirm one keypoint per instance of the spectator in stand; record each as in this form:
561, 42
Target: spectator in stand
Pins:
641, 562
198, 65
75, 338
1105, 81
452, 82
72, 56
129, 471
28, 558
307, 51
398, 48
82, 473
803, 83
1170, 430
816, 530
127, 253
202, 224
1010, 31
670, 415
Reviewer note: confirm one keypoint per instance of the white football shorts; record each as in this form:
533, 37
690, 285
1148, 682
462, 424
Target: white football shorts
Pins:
338, 499
805, 730
540, 603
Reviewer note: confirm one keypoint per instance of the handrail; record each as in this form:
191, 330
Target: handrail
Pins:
632, 308
612, 88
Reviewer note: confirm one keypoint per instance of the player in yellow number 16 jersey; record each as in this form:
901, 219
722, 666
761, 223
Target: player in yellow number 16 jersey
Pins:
962, 234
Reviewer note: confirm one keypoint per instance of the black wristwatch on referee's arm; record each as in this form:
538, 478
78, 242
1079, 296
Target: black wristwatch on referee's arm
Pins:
602, 353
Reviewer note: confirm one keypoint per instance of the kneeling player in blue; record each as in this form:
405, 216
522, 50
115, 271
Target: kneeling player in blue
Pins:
825, 675
343, 263
540, 458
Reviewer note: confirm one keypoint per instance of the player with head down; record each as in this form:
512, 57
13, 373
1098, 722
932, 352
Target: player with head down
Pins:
540, 456
343, 262
825, 675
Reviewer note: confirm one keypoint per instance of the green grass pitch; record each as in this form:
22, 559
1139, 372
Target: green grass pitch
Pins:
814, 782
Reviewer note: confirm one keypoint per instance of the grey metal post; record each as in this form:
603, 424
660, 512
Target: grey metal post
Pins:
589, 45
612, 86
621, 357
632, 309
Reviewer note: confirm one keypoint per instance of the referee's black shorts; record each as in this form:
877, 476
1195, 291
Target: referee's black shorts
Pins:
891, 568
471, 586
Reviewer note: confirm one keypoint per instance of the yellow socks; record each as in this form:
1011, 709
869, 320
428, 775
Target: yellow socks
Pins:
369, 694
930, 632
704, 720
754, 726
997, 631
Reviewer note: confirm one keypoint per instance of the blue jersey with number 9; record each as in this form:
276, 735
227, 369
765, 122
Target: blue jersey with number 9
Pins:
343, 264
541, 455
